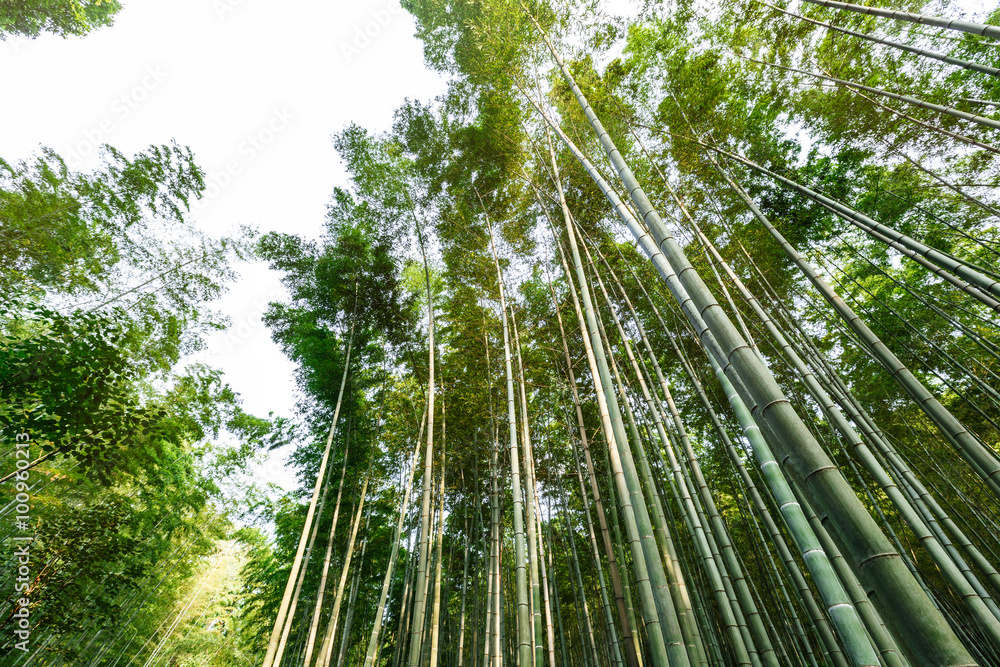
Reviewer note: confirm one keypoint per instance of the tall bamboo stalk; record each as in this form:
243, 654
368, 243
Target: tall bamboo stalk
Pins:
529, 481
588, 625
351, 602
302, 572
980, 459
524, 636
658, 611
631, 645
420, 599
271, 657
913, 101
936, 21
921, 625
436, 609
465, 589
954, 569
327, 650
404, 503
975, 67
314, 624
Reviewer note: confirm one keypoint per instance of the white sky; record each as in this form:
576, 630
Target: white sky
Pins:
256, 88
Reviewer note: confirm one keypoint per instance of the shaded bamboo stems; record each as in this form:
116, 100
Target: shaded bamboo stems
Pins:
955, 113
314, 624
650, 605
525, 650
981, 460
436, 609
404, 504
271, 657
964, 582
338, 600
936, 641
302, 572
530, 490
631, 642
735, 625
420, 599
716, 571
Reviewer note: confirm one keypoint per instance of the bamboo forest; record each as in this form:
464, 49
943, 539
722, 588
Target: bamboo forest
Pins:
668, 334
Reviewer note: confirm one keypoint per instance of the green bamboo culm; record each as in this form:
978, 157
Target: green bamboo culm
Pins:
390, 568
937, 21
982, 461
951, 60
271, 657
423, 572
922, 627
639, 533
525, 648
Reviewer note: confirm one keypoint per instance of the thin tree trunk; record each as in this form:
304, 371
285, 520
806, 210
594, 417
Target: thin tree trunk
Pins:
436, 609
936, 21
524, 635
630, 642
331, 632
271, 657
465, 589
420, 600
913, 101
404, 504
555, 593
321, 591
975, 67
302, 572
352, 600
646, 560
588, 625
549, 632
402, 631
529, 480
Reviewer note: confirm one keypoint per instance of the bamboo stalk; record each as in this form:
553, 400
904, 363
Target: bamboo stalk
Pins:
936, 21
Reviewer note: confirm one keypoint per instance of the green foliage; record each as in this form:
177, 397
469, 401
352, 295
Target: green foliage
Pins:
120, 235
61, 17
71, 385
66, 230
106, 284
350, 281
121, 518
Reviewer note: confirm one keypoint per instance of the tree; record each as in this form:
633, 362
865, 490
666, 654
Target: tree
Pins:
63, 17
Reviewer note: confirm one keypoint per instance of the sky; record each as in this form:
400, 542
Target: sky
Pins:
256, 88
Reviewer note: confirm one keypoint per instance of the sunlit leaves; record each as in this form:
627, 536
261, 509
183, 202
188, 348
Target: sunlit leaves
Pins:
62, 17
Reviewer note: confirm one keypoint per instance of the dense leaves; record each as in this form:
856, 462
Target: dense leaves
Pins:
62, 17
